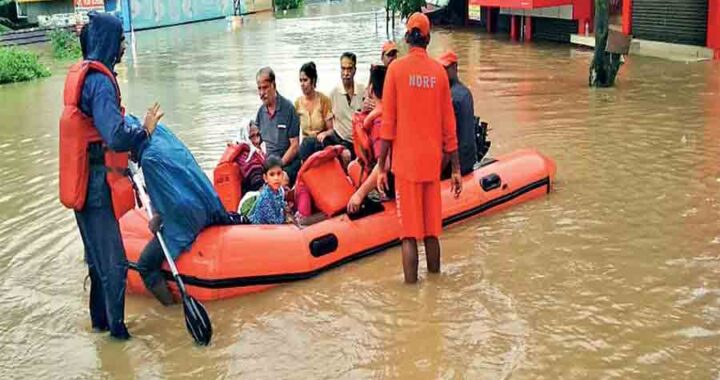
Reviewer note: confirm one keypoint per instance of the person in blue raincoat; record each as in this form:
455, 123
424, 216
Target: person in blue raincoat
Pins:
183, 200
102, 40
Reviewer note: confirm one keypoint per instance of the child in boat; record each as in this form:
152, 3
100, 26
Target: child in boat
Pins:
270, 206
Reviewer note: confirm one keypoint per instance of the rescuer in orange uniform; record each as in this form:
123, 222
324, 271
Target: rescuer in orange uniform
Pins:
419, 125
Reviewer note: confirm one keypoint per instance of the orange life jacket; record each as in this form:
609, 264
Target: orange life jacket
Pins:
325, 179
227, 178
77, 132
361, 168
361, 141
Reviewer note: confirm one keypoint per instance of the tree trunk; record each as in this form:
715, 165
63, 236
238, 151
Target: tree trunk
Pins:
604, 66
387, 17
393, 22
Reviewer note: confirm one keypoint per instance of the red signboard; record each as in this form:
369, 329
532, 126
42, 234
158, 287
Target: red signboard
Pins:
90, 4
519, 4
85, 6
82, 7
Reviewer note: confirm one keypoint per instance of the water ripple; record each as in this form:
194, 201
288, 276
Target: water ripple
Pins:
613, 275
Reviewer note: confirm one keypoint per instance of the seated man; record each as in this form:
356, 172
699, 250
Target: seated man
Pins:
278, 123
462, 101
389, 53
347, 98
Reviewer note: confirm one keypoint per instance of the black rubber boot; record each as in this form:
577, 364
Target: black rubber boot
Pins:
162, 293
120, 332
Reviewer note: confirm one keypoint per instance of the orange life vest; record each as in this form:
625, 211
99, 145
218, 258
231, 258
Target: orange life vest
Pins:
361, 141
325, 179
77, 132
227, 178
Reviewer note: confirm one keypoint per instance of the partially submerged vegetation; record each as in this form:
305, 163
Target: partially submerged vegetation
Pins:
18, 65
65, 44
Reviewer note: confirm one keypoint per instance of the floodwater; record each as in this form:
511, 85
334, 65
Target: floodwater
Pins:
614, 275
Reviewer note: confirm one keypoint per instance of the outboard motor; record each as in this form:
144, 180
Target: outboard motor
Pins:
483, 145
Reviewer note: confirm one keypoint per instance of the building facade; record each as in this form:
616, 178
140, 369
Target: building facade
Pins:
688, 22
146, 14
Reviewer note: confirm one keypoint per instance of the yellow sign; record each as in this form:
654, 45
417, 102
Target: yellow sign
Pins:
474, 12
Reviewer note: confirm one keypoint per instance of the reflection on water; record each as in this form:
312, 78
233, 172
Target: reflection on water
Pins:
614, 275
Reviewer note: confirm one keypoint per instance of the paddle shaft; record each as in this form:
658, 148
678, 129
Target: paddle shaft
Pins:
146, 202
197, 320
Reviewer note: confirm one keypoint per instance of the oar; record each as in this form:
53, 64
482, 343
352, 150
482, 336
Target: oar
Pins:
196, 317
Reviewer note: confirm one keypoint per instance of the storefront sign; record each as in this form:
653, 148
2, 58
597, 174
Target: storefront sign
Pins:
82, 7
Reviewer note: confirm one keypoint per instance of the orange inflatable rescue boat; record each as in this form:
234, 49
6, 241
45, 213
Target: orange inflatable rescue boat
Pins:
230, 261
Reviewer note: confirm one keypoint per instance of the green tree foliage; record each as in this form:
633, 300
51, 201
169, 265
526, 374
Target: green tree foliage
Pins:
406, 7
287, 4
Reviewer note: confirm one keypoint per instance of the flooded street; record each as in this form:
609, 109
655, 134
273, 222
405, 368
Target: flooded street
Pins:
614, 275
